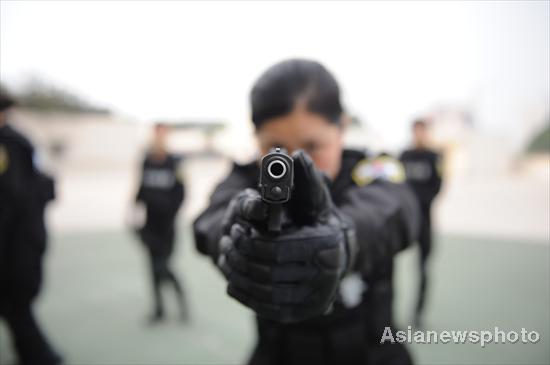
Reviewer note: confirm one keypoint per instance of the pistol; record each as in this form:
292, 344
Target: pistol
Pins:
276, 183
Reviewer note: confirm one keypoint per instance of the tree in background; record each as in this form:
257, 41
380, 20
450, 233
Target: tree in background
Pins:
541, 141
44, 97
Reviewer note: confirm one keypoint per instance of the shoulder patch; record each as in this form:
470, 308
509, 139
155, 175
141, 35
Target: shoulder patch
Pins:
380, 168
4, 159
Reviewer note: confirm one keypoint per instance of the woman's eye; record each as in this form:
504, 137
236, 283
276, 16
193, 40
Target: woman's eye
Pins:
311, 147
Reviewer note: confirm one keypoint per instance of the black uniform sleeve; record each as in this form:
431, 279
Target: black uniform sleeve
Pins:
207, 227
431, 187
140, 192
386, 219
402, 156
24, 192
46, 186
436, 176
177, 193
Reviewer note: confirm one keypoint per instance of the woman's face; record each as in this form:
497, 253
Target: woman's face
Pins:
302, 129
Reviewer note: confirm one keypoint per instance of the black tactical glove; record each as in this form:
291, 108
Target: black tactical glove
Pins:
293, 275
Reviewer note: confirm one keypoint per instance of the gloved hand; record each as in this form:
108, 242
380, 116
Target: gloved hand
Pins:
293, 275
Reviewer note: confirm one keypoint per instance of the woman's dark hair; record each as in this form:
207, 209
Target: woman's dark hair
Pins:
419, 123
283, 84
6, 102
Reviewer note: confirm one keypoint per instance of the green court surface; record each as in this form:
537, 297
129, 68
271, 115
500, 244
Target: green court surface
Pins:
97, 295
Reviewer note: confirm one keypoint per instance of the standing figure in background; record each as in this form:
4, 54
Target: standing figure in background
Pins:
24, 193
162, 192
423, 172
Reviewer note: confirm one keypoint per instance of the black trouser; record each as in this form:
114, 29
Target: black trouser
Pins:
425, 243
31, 345
160, 273
347, 339
341, 346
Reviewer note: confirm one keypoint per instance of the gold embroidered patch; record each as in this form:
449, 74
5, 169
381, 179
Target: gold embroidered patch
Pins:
384, 168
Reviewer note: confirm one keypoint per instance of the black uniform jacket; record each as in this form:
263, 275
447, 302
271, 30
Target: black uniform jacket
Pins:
162, 191
24, 192
422, 168
386, 220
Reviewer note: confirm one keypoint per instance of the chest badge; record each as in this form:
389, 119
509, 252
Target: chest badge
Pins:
380, 168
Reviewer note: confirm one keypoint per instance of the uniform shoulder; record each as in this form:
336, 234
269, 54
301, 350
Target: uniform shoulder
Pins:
7, 133
350, 154
170, 159
176, 157
350, 158
246, 171
406, 152
436, 153
420, 153
430, 154
240, 176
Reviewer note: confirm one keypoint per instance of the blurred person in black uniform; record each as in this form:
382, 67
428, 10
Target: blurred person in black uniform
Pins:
24, 192
162, 192
423, 172
321, 288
